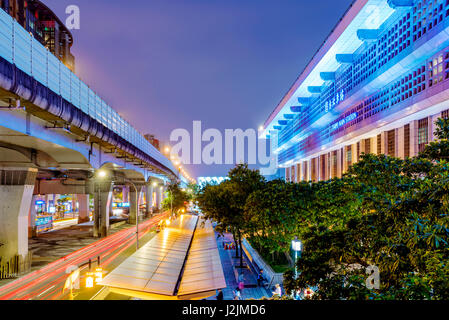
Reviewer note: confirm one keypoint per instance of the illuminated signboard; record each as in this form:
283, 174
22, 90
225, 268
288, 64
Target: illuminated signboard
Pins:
40, 202
44, 220
344, 121
332, 103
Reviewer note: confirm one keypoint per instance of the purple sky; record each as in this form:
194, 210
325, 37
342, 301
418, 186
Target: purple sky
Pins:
164, 63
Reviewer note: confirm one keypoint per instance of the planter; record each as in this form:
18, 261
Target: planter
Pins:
257, 263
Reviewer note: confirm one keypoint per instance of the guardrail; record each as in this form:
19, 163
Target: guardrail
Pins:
259, 263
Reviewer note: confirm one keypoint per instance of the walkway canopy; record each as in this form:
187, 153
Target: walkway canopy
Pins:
179, 263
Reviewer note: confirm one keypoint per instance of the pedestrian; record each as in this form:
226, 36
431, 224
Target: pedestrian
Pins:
237, 294
241, 281
220, 294
277, 291
260, 278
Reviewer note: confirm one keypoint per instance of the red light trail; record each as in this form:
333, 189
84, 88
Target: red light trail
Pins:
47, 282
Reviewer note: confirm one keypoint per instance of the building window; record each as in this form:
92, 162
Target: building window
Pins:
342, 160
358, 151
423, 133
407, 141
436, 70
445, 114
334, 164
323, 167
391, 149
367, 146
348, 156
306, 171
379, 144
314, 169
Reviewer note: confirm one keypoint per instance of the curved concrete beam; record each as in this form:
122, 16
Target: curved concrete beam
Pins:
344, 58
368, 34
400, 3
327, 76
314, 89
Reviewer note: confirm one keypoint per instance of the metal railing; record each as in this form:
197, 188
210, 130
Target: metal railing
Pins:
16, 266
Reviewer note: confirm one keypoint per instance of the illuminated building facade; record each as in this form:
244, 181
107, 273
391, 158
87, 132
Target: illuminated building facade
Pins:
376, 85
44, 25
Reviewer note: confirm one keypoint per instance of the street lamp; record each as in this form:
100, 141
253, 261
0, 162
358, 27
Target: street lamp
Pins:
297, 247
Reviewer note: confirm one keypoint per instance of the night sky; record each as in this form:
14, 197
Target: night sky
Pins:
164, 63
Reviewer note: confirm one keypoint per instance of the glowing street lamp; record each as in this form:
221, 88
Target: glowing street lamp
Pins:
297, 247
89, 280
98, 274
102, 173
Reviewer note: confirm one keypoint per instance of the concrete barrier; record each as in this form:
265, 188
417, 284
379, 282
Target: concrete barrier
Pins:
258, 263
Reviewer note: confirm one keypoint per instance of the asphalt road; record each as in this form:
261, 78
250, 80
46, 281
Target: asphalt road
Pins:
48, 282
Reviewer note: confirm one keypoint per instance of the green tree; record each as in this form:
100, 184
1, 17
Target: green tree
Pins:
398, 221
176, 198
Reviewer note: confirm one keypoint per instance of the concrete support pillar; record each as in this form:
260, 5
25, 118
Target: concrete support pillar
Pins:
345, 161
32, 217
149, 198
414, 138
309, 169
339, 167
103, 204
83, 204
158, 191
134, 202
354, 153
384, 143
16, 193
400, 143
363, 147
125, 194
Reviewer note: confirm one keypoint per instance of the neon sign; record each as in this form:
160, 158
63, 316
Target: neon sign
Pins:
332, 103
344, 121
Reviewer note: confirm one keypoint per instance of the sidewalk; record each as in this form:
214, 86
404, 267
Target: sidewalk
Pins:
251, 290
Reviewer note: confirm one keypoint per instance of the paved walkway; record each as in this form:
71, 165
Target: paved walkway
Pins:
229, 263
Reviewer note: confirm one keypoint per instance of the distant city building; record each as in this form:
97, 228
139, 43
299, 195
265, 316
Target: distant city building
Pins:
202, 181
377, 85
44, 25
151, 139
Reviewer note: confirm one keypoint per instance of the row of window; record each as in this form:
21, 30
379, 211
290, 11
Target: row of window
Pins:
371, 57
300, 171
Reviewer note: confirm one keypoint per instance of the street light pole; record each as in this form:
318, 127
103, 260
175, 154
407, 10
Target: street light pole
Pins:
297, 247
